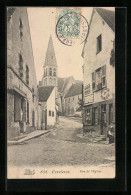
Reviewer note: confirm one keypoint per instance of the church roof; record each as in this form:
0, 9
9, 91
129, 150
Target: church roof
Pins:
62, 83
75, 89
44, 93
108, 16
50, 59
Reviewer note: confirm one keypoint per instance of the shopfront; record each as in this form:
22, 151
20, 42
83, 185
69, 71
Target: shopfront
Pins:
99, 116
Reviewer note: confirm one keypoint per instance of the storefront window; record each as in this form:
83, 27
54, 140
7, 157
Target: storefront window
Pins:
95, 116
88, 116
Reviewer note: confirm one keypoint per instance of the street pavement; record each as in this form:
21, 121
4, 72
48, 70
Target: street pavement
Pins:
61, 146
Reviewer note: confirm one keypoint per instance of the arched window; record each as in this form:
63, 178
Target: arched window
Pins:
21, 65
27, 75
54, 74
54, 82
50, 72
46, 72
50, 81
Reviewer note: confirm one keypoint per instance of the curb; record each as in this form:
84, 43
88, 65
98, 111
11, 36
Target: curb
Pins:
9, 143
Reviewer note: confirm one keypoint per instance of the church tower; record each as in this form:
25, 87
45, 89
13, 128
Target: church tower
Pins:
50, 67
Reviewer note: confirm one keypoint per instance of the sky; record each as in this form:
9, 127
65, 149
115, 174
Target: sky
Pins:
42, 22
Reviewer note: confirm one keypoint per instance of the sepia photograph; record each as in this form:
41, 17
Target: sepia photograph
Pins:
61, 93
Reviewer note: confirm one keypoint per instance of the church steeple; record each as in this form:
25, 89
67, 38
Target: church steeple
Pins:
50, 66
50, 59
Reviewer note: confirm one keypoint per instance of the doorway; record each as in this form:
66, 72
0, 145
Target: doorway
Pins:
33, 118
103, 119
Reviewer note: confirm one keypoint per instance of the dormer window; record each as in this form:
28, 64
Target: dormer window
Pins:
99, 44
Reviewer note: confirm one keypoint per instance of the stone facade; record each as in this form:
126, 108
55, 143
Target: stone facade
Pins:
22, 99
71, 105
99, 74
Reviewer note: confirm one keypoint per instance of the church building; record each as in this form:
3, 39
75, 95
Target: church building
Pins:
50, 67
50, 78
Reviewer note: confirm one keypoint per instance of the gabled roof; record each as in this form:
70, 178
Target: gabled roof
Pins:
50, 59
75, 89
108, 16
44, 93
62, 83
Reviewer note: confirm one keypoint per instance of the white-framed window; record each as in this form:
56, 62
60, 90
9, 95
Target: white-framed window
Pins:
99, 78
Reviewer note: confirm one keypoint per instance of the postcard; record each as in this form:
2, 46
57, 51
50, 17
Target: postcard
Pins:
61, 93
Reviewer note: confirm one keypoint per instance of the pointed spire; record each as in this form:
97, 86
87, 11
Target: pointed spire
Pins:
50, 59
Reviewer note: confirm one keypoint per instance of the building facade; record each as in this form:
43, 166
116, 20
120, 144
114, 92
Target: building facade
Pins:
64, 85
22, 100
99, 73
47, 99
72, 98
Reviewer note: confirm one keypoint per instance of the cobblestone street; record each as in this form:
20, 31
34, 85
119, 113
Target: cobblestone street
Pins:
61, 146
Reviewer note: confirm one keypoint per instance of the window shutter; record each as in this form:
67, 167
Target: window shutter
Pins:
17, 108
103, 78
104, 70
93, 81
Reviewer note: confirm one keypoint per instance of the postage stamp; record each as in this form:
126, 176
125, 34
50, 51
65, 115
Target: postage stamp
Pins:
72, 27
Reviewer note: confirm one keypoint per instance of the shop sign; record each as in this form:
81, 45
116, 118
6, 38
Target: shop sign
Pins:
105, 93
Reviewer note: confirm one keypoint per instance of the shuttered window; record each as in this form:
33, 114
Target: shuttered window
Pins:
93, 82
99, 78
103, 76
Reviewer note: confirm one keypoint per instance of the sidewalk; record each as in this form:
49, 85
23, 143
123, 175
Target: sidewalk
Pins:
28, 136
